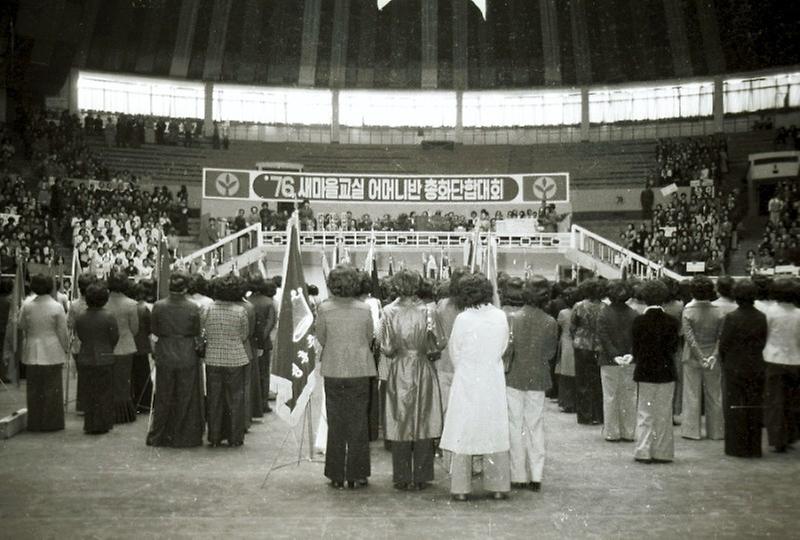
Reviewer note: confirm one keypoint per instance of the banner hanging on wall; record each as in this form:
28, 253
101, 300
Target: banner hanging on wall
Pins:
281, 186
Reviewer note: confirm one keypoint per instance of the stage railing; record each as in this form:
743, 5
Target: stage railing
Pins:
616, 256
417, 239
224, 250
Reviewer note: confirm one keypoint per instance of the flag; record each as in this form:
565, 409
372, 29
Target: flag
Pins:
480, 4
262, 268
370, 258
477, 252
74, 291
432, 266
163, 272
346, 256
11, 344
293, 365
326, 267
444, 266
391, 266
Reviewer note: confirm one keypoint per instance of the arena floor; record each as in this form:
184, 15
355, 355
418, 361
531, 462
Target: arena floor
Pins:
70, 485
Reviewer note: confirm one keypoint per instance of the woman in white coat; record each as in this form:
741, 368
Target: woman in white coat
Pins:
477, 414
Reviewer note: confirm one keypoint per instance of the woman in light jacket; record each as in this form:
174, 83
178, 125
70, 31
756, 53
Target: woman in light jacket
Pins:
477, 413
413, 401
44, 351
344, 330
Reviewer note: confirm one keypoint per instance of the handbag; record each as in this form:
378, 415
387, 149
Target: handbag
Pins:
432, 344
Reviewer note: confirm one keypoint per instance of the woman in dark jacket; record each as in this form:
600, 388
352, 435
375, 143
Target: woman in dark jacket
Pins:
344, 329
655, 340
97, 330
586, 341
741, 345
141, 384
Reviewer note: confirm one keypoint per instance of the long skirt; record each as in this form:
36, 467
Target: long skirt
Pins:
263, 365
566, 393
347, 453
45, 398
256, 401
655, 437
124, 411
141, 383
742, 398
782, 404
178, 407
225, 404
588, 388
98, 399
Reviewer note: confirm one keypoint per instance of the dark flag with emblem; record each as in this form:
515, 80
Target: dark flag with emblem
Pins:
12, 349
295, 357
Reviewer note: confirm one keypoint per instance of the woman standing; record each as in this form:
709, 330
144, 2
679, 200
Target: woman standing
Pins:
76, 309
702, 323
178, 400
44, 330
477, 412
413, 401
741, 346
586, 341
141, 383
527, 379
566, 362
96, 329
344, 330
125, 312
616, 372
655, 340
227, 331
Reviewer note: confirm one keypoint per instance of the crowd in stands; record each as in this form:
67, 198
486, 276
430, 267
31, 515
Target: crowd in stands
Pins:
25, 230
126, 130
700, 228
787, 138
683, 160
780, 244
546, 217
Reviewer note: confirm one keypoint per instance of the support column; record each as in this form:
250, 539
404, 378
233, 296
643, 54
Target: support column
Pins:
580, 39
678, 41
460, 35
719, 105
310, 42
72, 90
584, 114
550, 42
339, 41
47, 33
335, 115
208, 110
709, 29
486, 47
368, 16
430, 43
184, 36
217, 37
459, 134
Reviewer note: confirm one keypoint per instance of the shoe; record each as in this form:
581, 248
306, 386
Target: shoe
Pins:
419, 486
214, 444
499, 496
459, 497
235, 444
335, 484
661, 460
567, 410
535, 486
627, 440
642, 460
519, 485
613, 440
402, 486
357, 484
780, 449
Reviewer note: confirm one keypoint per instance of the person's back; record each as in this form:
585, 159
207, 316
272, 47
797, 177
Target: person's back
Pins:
44, 324
535, 343
655, 339
405, 326
446, 313
175, 321
783, 340
98, 333
125, 311
227, 327
702, 324
344, 329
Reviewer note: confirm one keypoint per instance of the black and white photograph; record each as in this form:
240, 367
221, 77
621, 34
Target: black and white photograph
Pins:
399, 269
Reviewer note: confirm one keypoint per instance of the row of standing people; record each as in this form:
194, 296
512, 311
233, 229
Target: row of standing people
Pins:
210, 356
